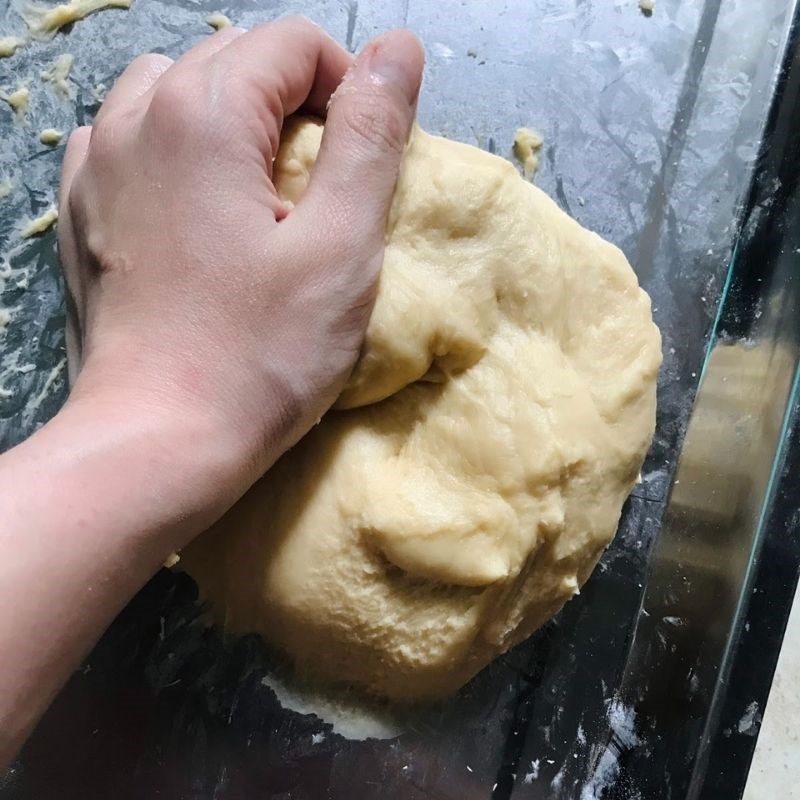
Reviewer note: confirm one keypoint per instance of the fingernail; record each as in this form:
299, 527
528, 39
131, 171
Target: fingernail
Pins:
386, 67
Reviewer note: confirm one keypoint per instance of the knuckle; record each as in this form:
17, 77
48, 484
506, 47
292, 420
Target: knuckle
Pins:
78, 140
177, 104
170, 95
106, 140
72, 207
150, 62
300, 23
376, 121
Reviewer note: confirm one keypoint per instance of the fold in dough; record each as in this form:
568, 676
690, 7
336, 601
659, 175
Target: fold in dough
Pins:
483, 448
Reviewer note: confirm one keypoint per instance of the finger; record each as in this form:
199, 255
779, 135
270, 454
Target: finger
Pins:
72, 338
74, 156
210, 45
292, 58
138, 78
279, 67
368, 124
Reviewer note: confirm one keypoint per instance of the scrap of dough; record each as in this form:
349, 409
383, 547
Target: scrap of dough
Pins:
41, 223
50, 136
18, 100
9, 45
45, 21
527, 144
218, 21
484, 445
58, 72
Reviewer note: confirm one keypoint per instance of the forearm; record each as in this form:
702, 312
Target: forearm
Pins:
90, 508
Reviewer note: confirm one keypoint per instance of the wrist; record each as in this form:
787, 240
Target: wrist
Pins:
239, 419
161, 472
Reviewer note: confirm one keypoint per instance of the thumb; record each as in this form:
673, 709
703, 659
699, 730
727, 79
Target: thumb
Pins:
368, 123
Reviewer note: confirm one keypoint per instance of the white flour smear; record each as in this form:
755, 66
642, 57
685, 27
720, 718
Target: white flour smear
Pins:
622, 720
350, 716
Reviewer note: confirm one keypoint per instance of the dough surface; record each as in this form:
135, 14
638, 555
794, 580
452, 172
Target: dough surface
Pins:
477, 462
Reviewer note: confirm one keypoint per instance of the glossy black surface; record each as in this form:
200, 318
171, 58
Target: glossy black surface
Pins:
652, 129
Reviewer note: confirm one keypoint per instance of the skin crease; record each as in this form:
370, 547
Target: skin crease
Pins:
210, 326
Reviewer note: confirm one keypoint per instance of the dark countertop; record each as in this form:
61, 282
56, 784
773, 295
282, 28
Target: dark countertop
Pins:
672, 137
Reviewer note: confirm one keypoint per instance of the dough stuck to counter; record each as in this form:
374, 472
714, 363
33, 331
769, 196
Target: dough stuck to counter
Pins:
58, 73
476, 464
42, 223
45, 21
9, 45
218, 21
527, 144
51, 137
18, 101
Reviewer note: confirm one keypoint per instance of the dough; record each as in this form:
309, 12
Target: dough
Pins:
9, 45
218, 21
527, 144
51, 136
476, 465
58, 73
18, 101
42, 223
45, 21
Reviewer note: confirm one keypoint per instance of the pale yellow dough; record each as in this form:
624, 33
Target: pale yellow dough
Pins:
40, 224
218, 21
44, 21
58, 73
527, 144
51, 136
9, 45
498, 418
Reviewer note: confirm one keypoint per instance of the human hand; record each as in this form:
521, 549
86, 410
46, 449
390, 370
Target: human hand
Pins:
210, 325
199, 299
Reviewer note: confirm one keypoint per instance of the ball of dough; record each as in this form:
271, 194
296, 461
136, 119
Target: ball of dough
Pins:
476, 464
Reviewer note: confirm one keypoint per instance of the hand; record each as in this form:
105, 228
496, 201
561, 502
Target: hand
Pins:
210, 326
199, 299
